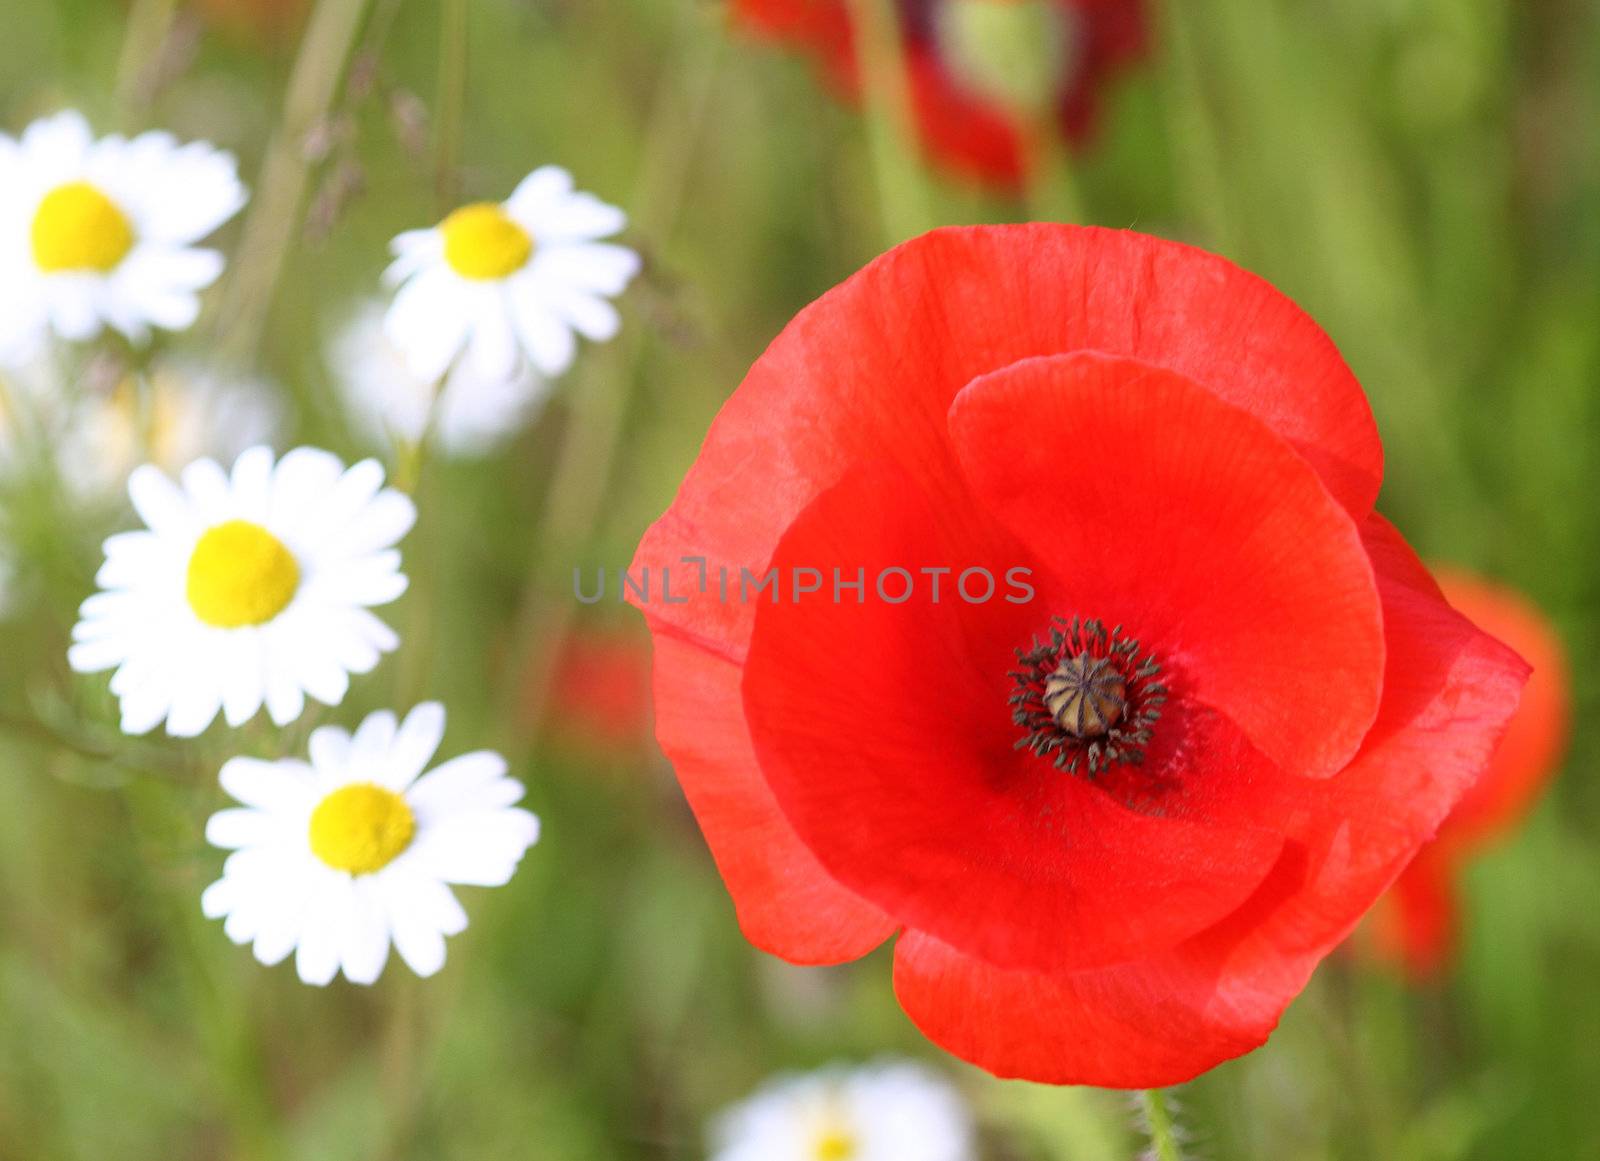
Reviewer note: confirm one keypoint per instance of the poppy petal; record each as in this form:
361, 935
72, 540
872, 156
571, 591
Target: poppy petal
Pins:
870, 370
1449, 692
787, 904
1417, 920
1537, 737
883, 728
1162, 508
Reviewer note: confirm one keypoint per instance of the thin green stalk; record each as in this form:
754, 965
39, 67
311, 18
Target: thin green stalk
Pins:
149, 24
280, 195
416, 661
134, 758
1159, 1122
1191, 131
451, 102
891, 130
589, 451
398, 1064
225, 1029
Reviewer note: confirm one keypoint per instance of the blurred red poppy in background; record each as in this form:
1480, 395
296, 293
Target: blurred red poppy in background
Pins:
1117, 819
976, 67
1419, 921
600, 695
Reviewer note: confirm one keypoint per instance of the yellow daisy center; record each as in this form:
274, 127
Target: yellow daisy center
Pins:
240, 574
78, 228
361, 828
482, 242
835, 1145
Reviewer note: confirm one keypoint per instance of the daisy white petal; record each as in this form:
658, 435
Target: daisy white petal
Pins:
316, 958
273, 787
469, 415
232, 829
365, 946
491, 278
339, 860
234, 599
182, 411
882, 1112
539, 192
415, 743
545, 334
108, 228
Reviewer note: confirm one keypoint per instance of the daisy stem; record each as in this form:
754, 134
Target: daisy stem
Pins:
1161, 1126
398, 1070
276, 209
891, 129
451, 101
225, 1029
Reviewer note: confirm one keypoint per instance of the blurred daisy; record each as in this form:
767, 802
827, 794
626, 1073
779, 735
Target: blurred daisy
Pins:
525, 273
102, 233
183, 411
245, 590
389, 403
336, 859
883, 1112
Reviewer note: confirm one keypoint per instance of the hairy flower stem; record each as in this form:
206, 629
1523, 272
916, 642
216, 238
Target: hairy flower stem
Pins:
1160, 1124
891, 129
276, 209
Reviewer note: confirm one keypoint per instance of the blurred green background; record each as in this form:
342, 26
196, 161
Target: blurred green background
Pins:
1422, 175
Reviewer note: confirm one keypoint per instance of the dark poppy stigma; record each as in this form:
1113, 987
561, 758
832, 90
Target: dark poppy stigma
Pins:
1086, 697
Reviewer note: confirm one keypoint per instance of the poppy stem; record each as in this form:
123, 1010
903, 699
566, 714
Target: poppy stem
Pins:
891, 128
1161, 1125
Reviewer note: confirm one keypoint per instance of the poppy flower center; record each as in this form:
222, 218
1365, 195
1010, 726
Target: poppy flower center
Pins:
1086, 696
481, 242
78, 228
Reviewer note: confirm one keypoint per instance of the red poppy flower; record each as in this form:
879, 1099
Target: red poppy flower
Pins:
1419, 922
601, 691
962, 127
1117, 824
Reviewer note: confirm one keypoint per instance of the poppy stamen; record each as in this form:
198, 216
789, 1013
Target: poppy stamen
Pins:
1086, 697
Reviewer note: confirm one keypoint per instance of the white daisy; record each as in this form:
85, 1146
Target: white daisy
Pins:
388, 402
102, 233
525, 273
245, 590
182, 412
337, 858
890, 1111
